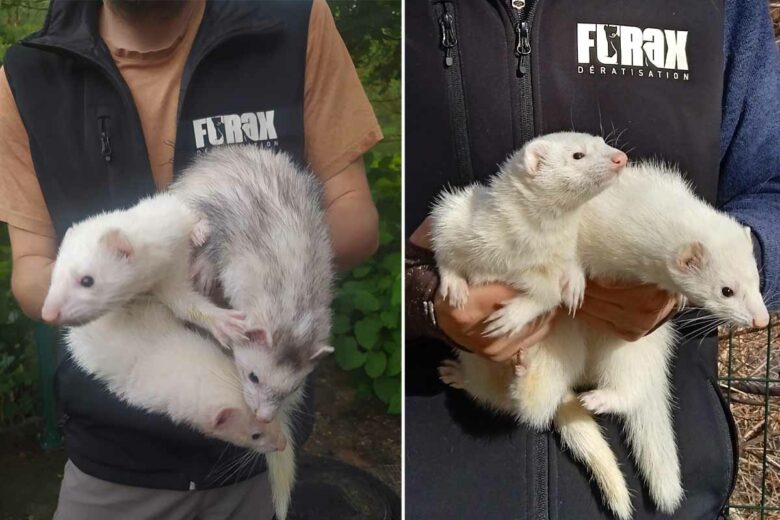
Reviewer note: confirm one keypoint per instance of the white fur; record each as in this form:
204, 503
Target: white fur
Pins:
156, 233
638, 230
522, 228
147, 358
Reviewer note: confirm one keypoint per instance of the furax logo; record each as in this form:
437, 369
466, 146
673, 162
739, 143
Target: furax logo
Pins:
624, 50
235, 128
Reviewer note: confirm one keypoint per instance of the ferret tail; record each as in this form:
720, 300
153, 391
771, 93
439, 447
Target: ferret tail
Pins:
582, 436
281, 474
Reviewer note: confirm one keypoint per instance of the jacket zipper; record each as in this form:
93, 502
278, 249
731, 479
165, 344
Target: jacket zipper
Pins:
521, 14
105, 138
448, 42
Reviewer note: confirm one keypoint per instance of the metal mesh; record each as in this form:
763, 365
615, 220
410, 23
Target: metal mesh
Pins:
749, 368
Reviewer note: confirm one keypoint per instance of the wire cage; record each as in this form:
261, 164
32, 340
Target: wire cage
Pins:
749, 374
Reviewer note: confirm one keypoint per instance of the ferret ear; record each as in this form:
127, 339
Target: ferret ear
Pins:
691, 257
320, 352
223, 417
259, 337
533, 156
117, 243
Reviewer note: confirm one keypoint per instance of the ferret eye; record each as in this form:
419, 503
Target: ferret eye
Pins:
87, 281
253, 378
728, 292
579, 155
256, 436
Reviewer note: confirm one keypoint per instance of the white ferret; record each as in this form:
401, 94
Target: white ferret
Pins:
650, 228
148, 358
109, 259
521, 229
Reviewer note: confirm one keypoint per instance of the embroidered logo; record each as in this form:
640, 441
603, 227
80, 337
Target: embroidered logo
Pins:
249, 127
624, 50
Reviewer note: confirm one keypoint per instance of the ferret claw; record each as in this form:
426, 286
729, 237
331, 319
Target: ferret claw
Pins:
455, 290
503, 322
597, 402
229, 327
451, 373
573, 290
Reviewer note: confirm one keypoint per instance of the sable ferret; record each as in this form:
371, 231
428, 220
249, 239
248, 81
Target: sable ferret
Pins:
650, 228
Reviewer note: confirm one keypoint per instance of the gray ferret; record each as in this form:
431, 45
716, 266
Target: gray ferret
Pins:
266, 241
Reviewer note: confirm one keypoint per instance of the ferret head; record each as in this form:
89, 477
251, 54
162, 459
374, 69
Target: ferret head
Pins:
566, 168
273, 368
720, 274
240, 427
94, 273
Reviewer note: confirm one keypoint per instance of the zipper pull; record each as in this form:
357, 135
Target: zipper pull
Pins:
105, 139
523, 49
448, 39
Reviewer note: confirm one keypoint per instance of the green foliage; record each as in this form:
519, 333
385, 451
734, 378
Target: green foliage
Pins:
367, 320
18, 18
18, 370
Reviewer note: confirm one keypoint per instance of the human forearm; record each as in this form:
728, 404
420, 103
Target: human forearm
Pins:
351, 216
33, 258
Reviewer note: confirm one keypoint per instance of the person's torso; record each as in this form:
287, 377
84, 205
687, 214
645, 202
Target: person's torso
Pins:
482, 78
242, 82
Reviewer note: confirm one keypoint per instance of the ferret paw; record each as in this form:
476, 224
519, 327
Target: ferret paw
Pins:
506, 321
573, 289
451, 373
229, 326
598, 401
200, 233
454, 289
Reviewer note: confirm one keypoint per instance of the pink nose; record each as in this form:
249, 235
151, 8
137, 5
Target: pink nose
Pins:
50, 315
619, 159
264, 419
761, 322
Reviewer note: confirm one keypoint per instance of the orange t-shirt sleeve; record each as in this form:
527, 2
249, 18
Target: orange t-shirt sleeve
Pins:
339, 122
21, 200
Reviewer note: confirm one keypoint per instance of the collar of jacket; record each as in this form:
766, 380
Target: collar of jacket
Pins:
72, 27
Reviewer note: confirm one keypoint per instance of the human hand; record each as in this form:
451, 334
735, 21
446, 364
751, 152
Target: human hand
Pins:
465, 326
629, 311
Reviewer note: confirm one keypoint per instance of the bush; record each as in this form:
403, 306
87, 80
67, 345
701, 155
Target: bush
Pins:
18, 369
367, 308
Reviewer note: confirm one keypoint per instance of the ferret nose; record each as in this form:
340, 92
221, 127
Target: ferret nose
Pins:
619, 159
50, 315
264, 418
761, 321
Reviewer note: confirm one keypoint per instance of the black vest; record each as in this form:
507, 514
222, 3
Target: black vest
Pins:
243, 82
482, 78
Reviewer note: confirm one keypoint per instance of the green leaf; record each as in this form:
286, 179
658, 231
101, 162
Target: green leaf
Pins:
386, 387
365, 301
348, 356
341, 324
395, 404
375, 364
394, 363
361, 271
367, 331
390, 319
392, 263
396, 298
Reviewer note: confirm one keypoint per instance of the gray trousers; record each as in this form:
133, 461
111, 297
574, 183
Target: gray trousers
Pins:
83, 497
